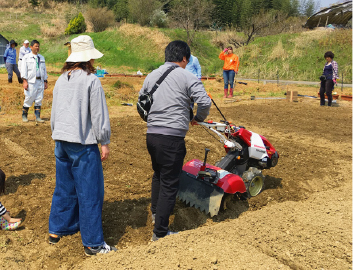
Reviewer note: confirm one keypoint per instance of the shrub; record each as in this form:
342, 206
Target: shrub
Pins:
76, 26
119, 84
152, 66
159, 18
100, 18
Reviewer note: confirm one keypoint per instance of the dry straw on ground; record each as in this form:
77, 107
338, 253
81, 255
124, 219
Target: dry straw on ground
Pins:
278, 52
56, 28
135, 31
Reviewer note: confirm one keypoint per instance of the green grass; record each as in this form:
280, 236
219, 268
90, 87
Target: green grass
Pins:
301, 64
118, 51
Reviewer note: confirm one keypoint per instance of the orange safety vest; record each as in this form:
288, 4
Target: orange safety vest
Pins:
231, 61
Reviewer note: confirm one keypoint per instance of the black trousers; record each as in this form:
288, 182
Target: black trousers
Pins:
326, 87
167, 155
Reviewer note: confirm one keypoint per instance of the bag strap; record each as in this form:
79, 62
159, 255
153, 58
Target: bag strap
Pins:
161, 79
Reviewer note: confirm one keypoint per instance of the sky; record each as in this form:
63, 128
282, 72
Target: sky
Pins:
328, 3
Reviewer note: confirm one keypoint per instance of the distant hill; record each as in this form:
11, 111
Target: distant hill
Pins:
130, 48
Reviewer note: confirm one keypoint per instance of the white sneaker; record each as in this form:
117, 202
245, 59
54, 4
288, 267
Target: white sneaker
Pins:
155, 238
103, 249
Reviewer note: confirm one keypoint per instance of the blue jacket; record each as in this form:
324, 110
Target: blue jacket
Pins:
194, 66
10, 55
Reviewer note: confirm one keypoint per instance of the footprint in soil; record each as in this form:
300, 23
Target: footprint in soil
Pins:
123, 219
13, 182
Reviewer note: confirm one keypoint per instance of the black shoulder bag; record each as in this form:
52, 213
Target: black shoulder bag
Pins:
145, 101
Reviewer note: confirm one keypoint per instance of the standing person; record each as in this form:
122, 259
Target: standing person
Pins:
79, 122
34, 75
10, 62
230, 68
7, 223
328, 78
167, 125
194, 66
23, 51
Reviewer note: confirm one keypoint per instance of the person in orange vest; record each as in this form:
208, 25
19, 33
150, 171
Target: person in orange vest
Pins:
230, 68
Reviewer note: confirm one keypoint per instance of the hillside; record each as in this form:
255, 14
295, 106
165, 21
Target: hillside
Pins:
129, 48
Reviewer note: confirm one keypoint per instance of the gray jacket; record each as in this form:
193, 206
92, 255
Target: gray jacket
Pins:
79, 111
170, 111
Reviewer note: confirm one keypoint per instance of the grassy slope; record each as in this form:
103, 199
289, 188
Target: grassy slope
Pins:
298, 56
293, 56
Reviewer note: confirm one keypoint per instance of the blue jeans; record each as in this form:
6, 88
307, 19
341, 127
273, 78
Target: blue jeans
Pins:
78, 197
11, 68
228, 77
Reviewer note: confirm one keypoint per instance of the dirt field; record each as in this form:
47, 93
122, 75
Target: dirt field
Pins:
302, 220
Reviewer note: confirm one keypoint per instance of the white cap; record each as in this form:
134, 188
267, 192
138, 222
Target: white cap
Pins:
26, 41
82, 50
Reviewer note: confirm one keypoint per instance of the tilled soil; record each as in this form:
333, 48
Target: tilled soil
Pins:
302, 219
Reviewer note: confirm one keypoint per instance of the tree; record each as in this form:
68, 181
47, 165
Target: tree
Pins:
262, 24
295, 8
34, 3
309, 7
222, 12
237, 13
246, 13
191, 15
121, 10
141, 10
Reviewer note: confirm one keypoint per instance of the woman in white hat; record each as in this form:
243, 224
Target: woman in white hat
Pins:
79, 122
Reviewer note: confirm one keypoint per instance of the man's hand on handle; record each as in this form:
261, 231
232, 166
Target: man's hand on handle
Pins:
194, 122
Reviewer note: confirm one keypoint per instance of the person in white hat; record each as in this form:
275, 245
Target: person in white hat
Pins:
79, 122
25, 49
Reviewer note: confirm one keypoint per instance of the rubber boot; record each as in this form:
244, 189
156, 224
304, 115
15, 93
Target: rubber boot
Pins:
37, 113
10, 80
24, 114
225, 92
230, 93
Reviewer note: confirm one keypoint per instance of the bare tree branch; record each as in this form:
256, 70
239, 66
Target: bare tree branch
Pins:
191, 15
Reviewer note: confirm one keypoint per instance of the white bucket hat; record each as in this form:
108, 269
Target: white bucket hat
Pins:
82, 50
26, 41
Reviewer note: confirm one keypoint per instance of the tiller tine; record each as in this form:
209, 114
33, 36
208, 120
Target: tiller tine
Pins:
200, 194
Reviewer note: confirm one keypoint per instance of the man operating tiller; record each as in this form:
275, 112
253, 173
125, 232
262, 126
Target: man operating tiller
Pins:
167, 124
